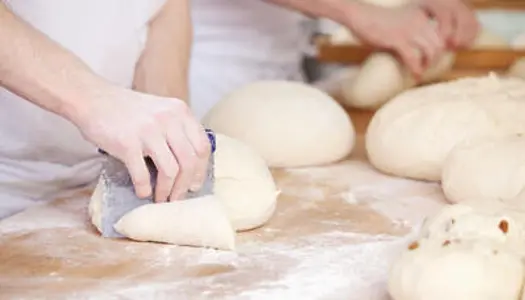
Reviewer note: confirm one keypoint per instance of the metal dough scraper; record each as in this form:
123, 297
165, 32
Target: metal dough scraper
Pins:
118, 193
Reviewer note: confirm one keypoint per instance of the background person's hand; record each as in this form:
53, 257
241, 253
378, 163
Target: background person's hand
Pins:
406, 30
131, 125
457, 22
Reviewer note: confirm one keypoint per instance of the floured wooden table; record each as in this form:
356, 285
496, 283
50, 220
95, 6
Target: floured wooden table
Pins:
336, 231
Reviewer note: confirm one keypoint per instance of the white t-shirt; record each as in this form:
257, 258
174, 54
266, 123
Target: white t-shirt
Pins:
42, 154
241, 41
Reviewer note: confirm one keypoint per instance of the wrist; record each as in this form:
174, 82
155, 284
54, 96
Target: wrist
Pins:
78, 101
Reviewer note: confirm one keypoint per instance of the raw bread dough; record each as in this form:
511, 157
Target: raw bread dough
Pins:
245, 198
456, 271
518, 43
344, 36
489, 40
517, 69
412, 135
382, 75
290, 124
197, 222
488, 169
488, 221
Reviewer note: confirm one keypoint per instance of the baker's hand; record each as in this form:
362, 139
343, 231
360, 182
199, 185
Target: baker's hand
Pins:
406, 30
457, 22
131, 125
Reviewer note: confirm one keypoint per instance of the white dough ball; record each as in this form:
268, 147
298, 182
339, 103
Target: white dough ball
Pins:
344, 36
412, 135
290, 124
437, 271
489, 40
517, 69
489, 169
441, 67
488, 221
380, 78
245, 198
518, 43
383, 76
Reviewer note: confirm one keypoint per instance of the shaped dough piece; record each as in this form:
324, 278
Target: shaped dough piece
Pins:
489, 40
488, 169
244, 184
290, 124
517, 69
245, 197
195, 222
518, 43
487, 221
344, 36
437, 271
382, 75
412, 135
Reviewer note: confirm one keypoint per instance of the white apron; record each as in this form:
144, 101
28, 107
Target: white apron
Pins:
41, 154
240, 41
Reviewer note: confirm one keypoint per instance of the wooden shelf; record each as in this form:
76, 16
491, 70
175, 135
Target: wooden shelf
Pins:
489, 59
499, 4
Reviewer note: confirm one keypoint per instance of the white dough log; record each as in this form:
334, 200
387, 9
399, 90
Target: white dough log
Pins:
382, 76
196, 222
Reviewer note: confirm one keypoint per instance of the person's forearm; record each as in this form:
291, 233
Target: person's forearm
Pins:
339, 11
41, 71
163, 67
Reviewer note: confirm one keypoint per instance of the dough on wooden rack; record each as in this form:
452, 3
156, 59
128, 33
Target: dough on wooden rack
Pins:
245, 198
488, 169
382, 75
437, 270
289, 123
517, 69
412, 135
518, 43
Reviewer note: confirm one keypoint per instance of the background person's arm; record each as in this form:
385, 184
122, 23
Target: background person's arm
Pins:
41, 71
163, 67
406, 30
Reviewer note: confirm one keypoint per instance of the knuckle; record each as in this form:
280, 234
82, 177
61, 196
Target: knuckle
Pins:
169, 171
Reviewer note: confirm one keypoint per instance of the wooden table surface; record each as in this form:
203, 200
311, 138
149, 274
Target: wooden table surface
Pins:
336, 230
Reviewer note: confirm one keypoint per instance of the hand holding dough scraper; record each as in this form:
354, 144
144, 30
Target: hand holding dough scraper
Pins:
119, 198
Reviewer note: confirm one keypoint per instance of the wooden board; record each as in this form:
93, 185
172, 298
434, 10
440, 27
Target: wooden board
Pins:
498, 4
488, 59
335, 232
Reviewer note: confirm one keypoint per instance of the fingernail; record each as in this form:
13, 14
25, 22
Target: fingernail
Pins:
195, 187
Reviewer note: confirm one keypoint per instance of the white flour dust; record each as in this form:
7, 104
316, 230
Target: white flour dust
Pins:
403, 201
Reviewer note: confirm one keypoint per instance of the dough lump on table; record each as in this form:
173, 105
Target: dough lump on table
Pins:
488, 169
290, 124
487, 221
412, 135
456, 271
245, 198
